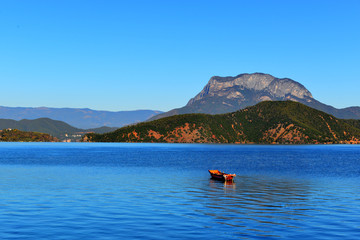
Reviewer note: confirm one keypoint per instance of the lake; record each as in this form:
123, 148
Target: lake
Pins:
164, 191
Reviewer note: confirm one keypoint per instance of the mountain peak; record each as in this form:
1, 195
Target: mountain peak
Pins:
265, 86
229, 94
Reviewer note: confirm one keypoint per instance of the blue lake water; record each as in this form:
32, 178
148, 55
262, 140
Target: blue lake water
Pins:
163, 191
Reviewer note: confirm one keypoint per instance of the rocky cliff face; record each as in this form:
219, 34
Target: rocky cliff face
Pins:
261, 86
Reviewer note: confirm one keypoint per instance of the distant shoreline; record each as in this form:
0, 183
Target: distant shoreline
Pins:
217, 144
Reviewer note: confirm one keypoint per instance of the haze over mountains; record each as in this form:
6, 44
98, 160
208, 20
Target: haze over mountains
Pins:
79, 118
58, 129
229, 94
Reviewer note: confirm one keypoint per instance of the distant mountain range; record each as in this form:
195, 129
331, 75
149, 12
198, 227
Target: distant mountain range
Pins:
58, 129
283, 122
220, 95
229, 94
80, 118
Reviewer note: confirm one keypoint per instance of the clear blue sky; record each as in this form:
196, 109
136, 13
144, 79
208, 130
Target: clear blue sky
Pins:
127, 55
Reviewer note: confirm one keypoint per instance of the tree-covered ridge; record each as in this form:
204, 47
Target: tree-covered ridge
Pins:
353, 122
14, 135
267, 122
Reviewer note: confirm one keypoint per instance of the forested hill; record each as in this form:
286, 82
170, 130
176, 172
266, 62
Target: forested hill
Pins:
14, 135
272, 122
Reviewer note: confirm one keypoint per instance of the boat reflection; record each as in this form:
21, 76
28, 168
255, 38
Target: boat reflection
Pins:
225, 184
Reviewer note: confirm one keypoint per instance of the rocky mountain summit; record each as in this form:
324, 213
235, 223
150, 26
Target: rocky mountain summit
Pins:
248, 89
229, 94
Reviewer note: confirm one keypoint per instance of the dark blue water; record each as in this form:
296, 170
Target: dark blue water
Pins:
163, 191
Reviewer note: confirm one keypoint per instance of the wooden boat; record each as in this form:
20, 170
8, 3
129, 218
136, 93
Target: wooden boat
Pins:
218, 175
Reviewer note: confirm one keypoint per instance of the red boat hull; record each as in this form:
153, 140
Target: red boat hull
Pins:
216, 174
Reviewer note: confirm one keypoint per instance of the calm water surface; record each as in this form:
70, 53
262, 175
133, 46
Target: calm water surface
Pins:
162, 191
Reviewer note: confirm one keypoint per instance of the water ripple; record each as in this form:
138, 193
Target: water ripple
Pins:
102, 192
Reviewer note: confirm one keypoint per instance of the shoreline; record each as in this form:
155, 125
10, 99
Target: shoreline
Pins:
195, 143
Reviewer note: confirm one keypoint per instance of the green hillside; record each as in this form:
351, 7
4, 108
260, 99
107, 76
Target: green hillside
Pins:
353, 122
267, 122
14, 135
